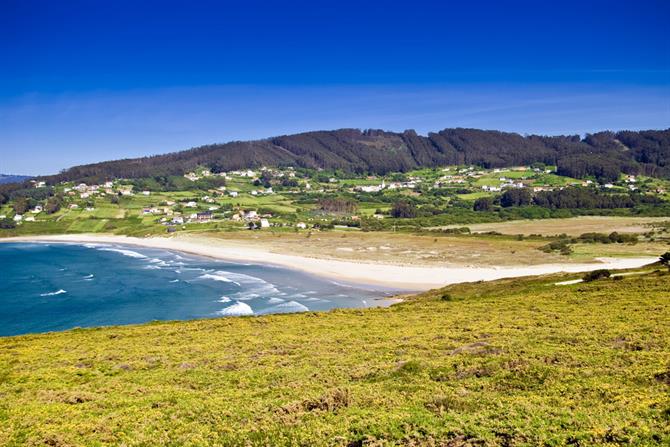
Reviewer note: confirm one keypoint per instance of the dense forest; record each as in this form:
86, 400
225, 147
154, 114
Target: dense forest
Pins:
602, 155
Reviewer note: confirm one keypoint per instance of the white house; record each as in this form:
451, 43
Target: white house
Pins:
265, 223
18, 218
233, 193
146, 193
301, 225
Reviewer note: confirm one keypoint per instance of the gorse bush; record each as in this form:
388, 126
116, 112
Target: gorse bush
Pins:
596, 274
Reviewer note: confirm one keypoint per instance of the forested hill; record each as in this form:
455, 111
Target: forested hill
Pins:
6, 178
603, 155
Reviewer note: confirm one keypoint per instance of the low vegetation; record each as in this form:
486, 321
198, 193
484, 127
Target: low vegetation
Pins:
510, 362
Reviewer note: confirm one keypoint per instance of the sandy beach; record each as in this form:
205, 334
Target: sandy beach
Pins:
409, 277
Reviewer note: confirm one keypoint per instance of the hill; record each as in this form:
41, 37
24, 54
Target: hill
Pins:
510, 362
603, 155
6, 178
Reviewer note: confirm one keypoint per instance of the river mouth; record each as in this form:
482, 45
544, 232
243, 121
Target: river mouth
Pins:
59, 286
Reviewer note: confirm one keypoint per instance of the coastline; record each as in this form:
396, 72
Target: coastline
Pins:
407, 277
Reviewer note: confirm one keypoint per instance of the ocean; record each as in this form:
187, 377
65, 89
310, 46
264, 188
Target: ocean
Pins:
57, 286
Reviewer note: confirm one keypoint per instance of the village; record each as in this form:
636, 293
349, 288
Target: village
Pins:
285, 198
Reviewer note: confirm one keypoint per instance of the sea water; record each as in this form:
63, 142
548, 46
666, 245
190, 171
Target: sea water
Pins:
57, 286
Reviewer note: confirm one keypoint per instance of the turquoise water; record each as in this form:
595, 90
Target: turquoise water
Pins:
52, 286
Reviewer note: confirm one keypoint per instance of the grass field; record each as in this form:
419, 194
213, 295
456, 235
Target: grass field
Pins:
427, 249
573, 226
511, 362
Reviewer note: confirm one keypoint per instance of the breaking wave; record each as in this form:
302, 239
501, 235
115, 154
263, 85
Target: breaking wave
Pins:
124, 252
288, 307
57, 292
238, 309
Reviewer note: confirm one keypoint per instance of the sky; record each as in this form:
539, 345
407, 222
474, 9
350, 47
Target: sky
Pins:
86, 81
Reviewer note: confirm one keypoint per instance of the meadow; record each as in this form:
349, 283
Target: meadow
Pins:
510, 362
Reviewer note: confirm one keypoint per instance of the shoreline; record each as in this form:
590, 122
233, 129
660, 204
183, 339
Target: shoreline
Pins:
406, 277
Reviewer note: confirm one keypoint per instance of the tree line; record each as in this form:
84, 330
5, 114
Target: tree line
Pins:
567, 198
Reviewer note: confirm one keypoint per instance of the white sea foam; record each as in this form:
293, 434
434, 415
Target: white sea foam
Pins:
57, 292
242, 296
124, 252
291, 306
218, 276
152, 267
237, 309
175, 280
89, 276
92, 245
160, 262
252, 287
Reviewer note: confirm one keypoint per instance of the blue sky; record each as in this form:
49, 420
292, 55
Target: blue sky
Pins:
83, 81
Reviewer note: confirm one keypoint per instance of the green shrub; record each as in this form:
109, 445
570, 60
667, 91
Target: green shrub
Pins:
596, 274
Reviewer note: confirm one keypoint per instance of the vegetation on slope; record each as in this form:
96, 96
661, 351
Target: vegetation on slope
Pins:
511, 362
604, 155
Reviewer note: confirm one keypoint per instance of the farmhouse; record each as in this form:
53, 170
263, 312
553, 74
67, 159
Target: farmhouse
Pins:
204, 216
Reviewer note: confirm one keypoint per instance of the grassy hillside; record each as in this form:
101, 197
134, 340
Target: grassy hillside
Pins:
511, 362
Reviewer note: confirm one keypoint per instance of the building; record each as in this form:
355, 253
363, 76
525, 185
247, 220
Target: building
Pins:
265, 223
204, 216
